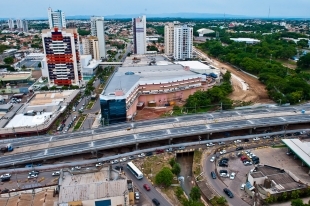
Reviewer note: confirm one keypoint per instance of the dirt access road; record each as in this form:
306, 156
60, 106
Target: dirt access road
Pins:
256, 91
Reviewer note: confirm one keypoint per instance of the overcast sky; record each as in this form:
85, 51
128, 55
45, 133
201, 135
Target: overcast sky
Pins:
38, 8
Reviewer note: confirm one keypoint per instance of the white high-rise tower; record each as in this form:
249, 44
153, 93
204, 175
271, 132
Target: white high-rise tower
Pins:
183, 42
56, 19
139, 34
97, 29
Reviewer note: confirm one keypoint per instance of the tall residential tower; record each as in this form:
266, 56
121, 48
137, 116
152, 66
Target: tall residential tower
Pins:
62, 58
169, 39
97, 30
183, 42
22, 25
11, 24
56, 19
139, 34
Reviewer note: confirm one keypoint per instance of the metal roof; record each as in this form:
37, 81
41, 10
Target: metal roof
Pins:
301, 149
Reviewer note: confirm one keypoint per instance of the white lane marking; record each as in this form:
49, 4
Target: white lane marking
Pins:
51, 139
238, 113
177, 119
91, 144
135, 136
250, 121
168, 131
45, 151
282, 118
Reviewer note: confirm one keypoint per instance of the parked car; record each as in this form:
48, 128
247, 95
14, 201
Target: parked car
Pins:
146, 187
246, 140
210, 144
239, 148
266, 137
224, 174
7, 178
228, 192
237, 141
223, 152
242, 186
223, 164
256, 138
224, 159
131, 157
119, 167
159, 151
5, 175
124, 159
141, 155
169, 149
213, 175
137, 195
155, 201
148, 153
212, 159
221, 143
181, 148
232, 176
99, 164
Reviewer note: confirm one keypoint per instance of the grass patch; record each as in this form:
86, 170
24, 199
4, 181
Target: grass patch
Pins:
90, 104
279, 146
79, 122
196, 162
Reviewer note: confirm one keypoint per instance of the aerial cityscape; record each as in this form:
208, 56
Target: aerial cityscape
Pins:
192, 104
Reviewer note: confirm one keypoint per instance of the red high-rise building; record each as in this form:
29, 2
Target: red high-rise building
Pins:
62, 62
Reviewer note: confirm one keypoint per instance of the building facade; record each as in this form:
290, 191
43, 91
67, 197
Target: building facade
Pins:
62, 58
11, 24
169, 39
183, 42
139, 34
22, 25
91, 47
97, 30
56, 19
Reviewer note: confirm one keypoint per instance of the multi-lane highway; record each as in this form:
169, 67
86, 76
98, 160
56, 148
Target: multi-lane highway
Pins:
232, 120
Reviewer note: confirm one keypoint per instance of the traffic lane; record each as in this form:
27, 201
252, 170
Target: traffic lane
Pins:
87, 123
153, 193
218, 185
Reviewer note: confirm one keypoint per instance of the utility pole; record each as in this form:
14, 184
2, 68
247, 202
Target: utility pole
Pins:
221, 107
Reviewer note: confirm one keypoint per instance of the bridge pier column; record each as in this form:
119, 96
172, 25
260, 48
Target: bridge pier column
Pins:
137, 146
250, 131
208, 136
170, 140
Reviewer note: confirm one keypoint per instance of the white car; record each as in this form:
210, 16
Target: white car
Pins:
181, 148
123, 159
5, 175
247, 163
224, 174
32, 176
237, 141
256, 138
266, 137
232, 176
99, 164
212, 159
141, 155
56, 173
223, 152
242, 186
210, 144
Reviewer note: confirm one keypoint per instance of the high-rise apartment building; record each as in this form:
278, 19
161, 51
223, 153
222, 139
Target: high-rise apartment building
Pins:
22, 25
62, 57
169, 39
56, 19
139, 34
11, 24
183, 42
91, 47
97, 30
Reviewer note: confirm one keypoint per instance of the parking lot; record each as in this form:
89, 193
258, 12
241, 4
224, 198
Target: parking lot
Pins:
276, 157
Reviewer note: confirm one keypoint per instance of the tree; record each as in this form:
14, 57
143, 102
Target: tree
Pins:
302, 43
164, 177
297, 202
304, 61
176, 169
179, 192
195, 193
39, 65
8, 60
172, 162
295, 194
186, 202
24, 67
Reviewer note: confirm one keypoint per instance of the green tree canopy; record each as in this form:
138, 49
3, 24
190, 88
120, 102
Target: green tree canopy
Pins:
164, 177
176, 169
8, 60
304, 61
195, 193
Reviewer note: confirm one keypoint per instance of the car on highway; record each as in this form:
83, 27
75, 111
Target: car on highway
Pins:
76, 168
169, 149
181, 148
237, 141
228, 192
124, 159
141, 155
131, 157
5, 175
146, 187
256, 138
212, 159
223, 152
155, 201
239, 148
159, 151
32, 176
213, 175
221, 143
148, 153
232, 176
266, 137
246, 140
33, 172
118, 167
210, 144
56, 173
99, 164
3, 179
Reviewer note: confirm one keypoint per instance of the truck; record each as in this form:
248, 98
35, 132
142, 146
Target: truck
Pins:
7, 148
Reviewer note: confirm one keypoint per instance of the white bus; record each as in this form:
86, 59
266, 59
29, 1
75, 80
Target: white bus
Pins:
134, 170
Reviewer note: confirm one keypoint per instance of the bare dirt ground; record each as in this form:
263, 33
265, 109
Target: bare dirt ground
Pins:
256, 93
151, 113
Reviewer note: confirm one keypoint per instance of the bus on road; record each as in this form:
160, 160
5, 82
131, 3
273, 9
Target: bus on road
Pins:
134, 170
